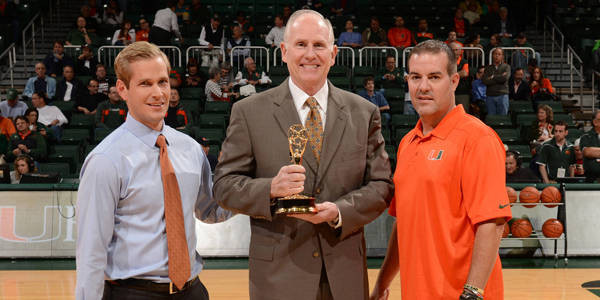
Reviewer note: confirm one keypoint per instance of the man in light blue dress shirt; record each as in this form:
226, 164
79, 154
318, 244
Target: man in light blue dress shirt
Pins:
122, 242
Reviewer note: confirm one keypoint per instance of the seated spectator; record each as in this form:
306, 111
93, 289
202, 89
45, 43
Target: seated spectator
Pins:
349, 38
579, 171
521, 57
514, 170
213, 90
212, 35
25, 141
90, 14
474, 41
182, 11
423, 33
501, 24
212, 160
56, 60
541, 128
141, 35
7, 128
12, 107
242, 20
177, 116
111, 114
464, 5
40, 83
275, 36
400, 36
518, 87
250, 74
478, 95
80, 35
590, 146
377, 98
227, 81
86, 62
541, 87
69, 88
23, 165
391, 77
198, 13
103, 80
237, 40
112, 14
35, 125
495, 77
49, 115
124, 35
459, 24
452, 38
472, 14
494, 43
175, 79
193, 77
89, 101
531, 65
286, 13
374, 35
557, 157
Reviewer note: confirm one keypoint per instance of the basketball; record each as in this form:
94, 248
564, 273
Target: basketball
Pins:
506, 230
512, 194
551, 194
552, 228
521, 228
529, 195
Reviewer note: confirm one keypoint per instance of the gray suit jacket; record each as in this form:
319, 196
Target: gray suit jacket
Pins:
287, 254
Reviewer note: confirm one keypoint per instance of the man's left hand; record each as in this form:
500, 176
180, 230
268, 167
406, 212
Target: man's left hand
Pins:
326, 212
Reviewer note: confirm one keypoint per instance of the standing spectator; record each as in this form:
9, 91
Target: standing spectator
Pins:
501, 24
92, 19
69, 88
495, 77
177, 116
56, 60
213, 90
212, 35
251, 75
557, 157
88, 103
104, 81
541, 87
541, 128
7, 128
124, 35
40, 83
518, 87
400, 36
459, 24
12, 107
237, 40
198, 13
25, 141
479, 95
244, 23
377, 98
49, 115
464, 85
86, 62
590, 146
471, 14
391, 77
275, 36
111, 114
165, 26
182, 11
112, 14
141, 35
423, 33
193, 77
80, 35
374, 35
286, 13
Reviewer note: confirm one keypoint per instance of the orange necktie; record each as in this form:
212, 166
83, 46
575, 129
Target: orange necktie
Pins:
179, 258
314, 126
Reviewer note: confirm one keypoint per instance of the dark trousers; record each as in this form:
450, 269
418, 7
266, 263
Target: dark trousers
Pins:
114, 292
159, 36
324, 292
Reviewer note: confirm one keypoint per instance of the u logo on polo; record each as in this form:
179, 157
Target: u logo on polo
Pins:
435, 155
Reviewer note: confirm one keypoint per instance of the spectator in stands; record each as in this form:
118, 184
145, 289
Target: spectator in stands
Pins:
182, 11
177, 116
316, 5
459, 24
124, 35
80, 35
212, 160
193, 77
12, 107
464, 5
7, 128
49, 115
175, 79
69, 88
251, 75
165, 26
377, 98
423, 33
531, 65
471, 14
478, 95
521, 57
242, 20
112, 14
212, 35
541, 87
494, 43
391, 77
501, 24
103, 80
518, 87
9, 16
495, 77
35, 125
557, 157
452, 38
141, 35
198, 13
88, 102
514, 170
464, 85
227, 81
374, 35
400, 36
474, 41
590, 146
25, 141
56, 60
111, 114
275, 36
286, 13
238, 40
579, 171
349, 38
213, 90
541, 129
92, 19
86, 62
343, 7
40, 83
23, 165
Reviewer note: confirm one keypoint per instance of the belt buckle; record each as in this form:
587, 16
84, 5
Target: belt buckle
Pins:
171, 291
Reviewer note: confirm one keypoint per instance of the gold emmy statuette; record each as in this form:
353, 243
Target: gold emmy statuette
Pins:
296, 204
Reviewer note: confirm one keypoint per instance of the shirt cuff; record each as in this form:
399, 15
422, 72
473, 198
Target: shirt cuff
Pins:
336, 224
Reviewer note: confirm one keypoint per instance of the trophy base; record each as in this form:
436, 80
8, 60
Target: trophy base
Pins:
296, 204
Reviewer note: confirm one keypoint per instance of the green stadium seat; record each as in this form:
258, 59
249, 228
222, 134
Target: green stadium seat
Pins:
338, 71
400, 133
563, 117
574, 134
69, 154
396, 107
100, 134
387, 136
391, 150
212, 121
394, 94
508, 135
192, 107
82, 121
364, 71
526, 119
404, 121
523, 150
84, 79
555, 105
216, 107
56, 167
75, 136
340, 82
277, 79
279, 71
521, 107
66, 107
498, 121
193, 94
215, 136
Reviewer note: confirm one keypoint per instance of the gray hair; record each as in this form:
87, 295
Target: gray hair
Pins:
297, 14
435, 47
214, 71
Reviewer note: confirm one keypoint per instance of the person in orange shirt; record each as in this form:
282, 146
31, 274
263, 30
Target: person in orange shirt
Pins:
400, 36
450, 201
141, 35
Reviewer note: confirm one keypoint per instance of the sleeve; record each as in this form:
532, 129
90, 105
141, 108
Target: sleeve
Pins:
207, 209
543, 159
548, 85
60, 117
116, 36
97, 200
201, 39
175, 26
40, 150
133, 35
28, 91
487, 74
483, 179
503, 78
383, 100
51, 87
270, 38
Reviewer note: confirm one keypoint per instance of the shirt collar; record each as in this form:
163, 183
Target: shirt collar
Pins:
147, 135
300, 96
443, 129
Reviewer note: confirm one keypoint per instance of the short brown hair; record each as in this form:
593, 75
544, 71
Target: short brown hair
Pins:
135, 52
561, 123
435, 47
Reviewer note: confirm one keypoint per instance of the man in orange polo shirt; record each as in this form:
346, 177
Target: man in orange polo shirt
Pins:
450, 198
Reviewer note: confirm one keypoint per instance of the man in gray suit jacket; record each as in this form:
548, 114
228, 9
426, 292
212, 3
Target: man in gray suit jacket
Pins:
320, 256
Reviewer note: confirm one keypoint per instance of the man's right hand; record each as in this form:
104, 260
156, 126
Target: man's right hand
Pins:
380, 295
210, 46
289, 181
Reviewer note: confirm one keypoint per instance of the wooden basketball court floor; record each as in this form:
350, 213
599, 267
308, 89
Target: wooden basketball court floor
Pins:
530, 284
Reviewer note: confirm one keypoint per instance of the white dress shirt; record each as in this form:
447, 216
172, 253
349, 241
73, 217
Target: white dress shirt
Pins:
49, 113
67, 96
166, 19
300, 98
275, 36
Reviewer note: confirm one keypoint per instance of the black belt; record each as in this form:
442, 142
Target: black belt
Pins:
151, 286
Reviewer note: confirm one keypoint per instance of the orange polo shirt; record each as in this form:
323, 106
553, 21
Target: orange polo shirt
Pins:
445, 184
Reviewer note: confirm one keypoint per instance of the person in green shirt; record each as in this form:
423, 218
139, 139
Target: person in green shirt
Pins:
80, 35
111, 113
25, 141
391, 77
557, 156
590, 145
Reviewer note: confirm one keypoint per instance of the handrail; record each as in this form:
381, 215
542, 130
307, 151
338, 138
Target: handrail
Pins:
275, 55
404, 54
249, 48
175, 50
11, 52
31, 41
192, 48
570, 55
364, 49
561, 35
408, 49
595, 75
